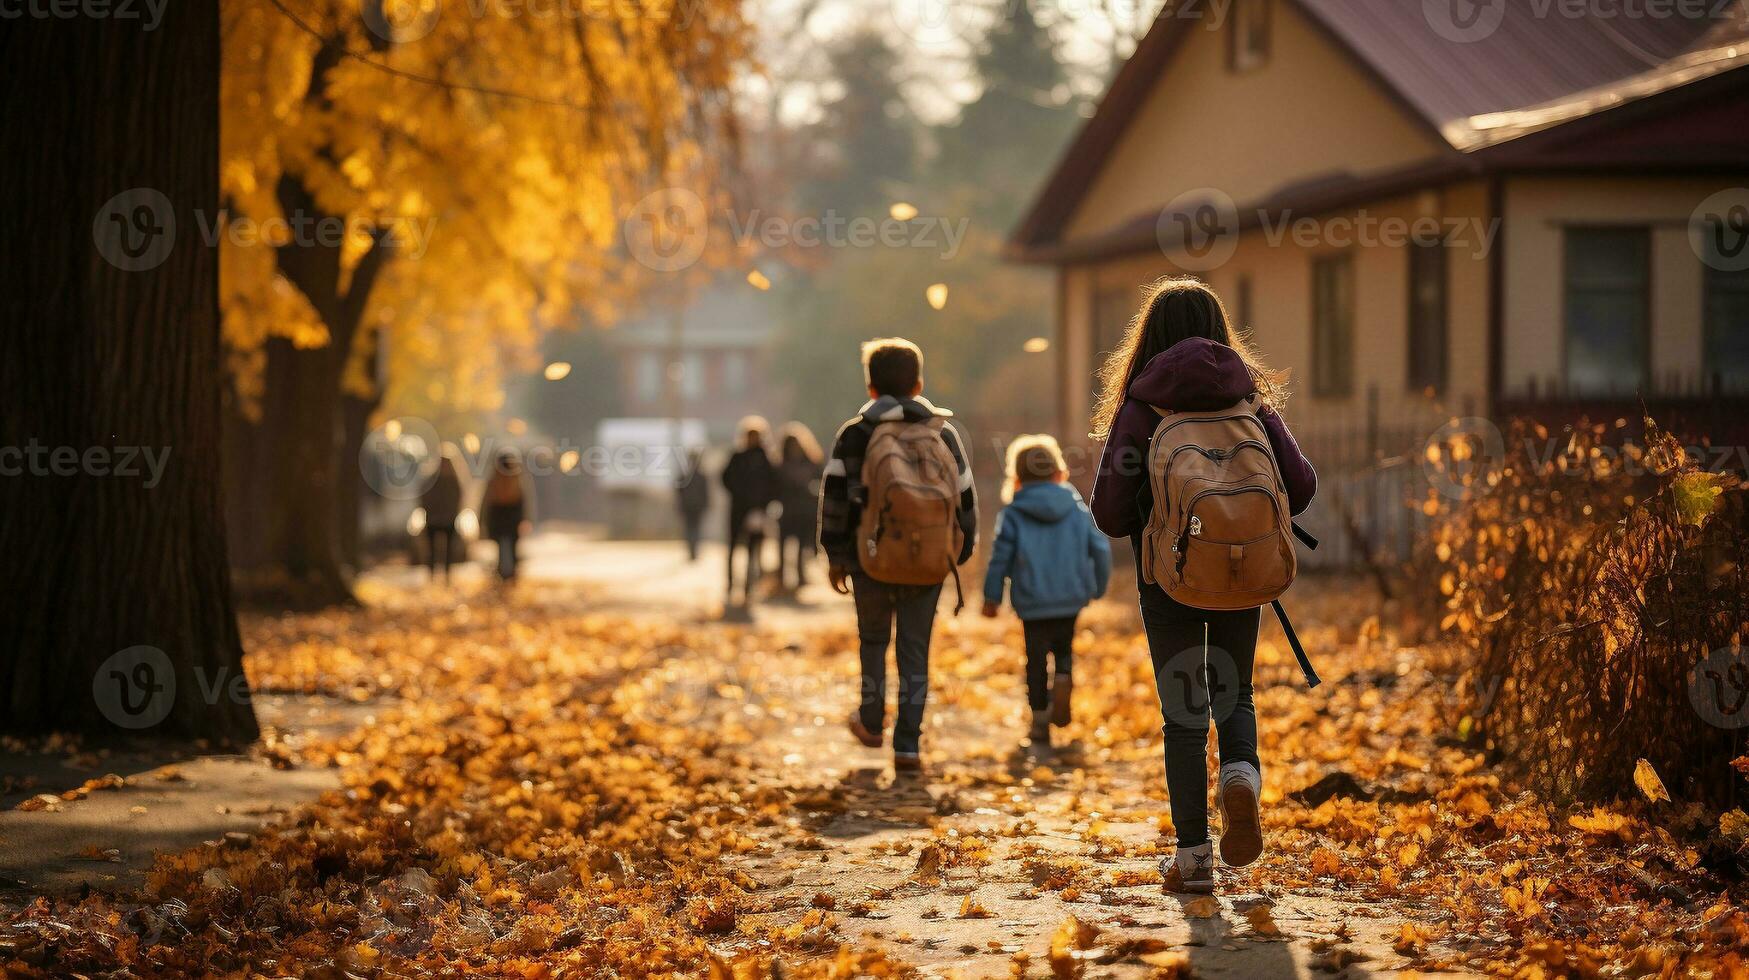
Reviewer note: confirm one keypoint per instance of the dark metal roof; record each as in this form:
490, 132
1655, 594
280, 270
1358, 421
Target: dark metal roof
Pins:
1538, 53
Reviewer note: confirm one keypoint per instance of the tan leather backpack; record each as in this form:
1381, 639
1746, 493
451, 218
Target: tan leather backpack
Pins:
910, 532
1220, 535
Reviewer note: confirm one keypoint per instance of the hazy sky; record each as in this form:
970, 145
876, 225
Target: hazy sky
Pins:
934, 37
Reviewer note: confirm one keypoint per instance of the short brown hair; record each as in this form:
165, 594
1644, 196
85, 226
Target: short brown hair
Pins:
892, 366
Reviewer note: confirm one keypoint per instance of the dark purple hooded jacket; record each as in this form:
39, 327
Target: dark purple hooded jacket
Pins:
1195, 375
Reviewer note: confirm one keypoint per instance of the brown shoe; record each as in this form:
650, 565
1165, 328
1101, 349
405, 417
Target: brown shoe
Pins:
863, 735
907, 762
1242, 829
1061, 688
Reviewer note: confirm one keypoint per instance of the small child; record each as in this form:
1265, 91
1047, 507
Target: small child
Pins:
1058, 561
895, 605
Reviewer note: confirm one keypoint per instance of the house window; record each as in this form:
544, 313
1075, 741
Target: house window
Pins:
1248, 35
649, 380
1333, 326
1725, 307
1427, 316
1608, 285
734, 374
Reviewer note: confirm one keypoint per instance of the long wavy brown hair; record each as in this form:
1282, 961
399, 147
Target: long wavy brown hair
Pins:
1174, 309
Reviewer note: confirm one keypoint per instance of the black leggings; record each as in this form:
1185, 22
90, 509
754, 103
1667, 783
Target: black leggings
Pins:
1202, 668
1047, 637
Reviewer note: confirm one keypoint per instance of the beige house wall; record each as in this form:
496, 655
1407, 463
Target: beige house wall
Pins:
1308, 112
1539, 209
1278, 265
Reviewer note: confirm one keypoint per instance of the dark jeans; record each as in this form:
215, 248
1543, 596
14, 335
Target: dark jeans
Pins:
693, 526
1047, 637
507, 554
740, 538
1202, 668
877, 606
804, 551
440, 542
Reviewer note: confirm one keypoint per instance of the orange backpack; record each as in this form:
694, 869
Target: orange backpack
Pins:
910, 532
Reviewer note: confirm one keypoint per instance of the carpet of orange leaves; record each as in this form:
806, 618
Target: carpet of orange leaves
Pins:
529, 804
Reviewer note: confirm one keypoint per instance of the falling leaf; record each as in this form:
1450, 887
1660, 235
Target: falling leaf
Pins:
901, 211
758, 280
937, 295
557, 370
1646, 778
1037, 345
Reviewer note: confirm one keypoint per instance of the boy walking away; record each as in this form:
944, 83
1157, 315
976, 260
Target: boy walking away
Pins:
1057, 562
898, 515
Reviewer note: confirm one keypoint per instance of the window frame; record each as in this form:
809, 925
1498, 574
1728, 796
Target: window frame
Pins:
1716, 282
1326, 382
1643, 232
1438, 378
1240, 58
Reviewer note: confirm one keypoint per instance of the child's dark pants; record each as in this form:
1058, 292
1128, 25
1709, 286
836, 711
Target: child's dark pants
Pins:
1202, 667
1047, 636
878, 605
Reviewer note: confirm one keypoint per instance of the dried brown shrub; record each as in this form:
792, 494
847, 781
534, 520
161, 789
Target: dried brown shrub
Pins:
1588, 581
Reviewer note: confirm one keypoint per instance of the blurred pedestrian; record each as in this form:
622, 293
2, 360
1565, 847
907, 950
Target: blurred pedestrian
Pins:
693, 495
798, 480
751, 480
505, 510
443, 505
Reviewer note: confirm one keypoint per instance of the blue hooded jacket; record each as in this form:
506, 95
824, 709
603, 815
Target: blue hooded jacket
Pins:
1047, 544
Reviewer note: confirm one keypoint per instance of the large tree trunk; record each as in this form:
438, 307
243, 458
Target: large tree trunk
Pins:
115, 601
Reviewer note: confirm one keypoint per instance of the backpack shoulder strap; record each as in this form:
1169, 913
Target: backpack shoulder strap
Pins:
1293, 640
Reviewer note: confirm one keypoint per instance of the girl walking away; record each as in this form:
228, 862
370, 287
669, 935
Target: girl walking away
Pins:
1181, 355
1057, 562
799, 490
505, 510
443, 506
751, 480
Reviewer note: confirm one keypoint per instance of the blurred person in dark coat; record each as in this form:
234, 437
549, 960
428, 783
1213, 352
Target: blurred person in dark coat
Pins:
798, 477
692, 492
751, 480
